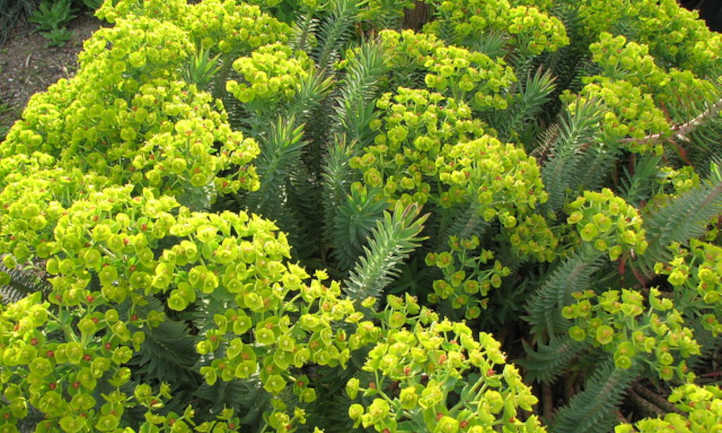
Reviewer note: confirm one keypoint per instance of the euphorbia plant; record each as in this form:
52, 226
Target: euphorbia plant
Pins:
298, 215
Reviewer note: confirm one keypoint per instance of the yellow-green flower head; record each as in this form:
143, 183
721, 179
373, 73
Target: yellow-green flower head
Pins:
272, 75
530, 29
608, 222
232, 28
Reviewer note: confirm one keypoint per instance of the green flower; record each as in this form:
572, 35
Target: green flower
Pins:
589, 232
352, 387
73, 352
377, 411
308, 395
577, 333
246, 369
265, 336
396, 319
274, 384
107, 422
615, 252
253, 301
666, 372
210, 375
86, 378
355, 411
622, 362
82, 402
677, 278
604, 334
71, 424
41, 367
447, 424
431, 395
241, 322
204, 347
122, 354
99, 366
494, 400
665, 358
408, 398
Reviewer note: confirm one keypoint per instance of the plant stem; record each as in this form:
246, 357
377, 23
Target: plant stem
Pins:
681, 131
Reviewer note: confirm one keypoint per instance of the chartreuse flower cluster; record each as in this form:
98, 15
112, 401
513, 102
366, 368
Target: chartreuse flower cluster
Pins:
675, 35
465, 17
625, 86
56, 352
681, 180
608, 223
623, 60
272, 319
628, 67
620, 323
59, 377
100, 180
620, 59
407, 51
631, 113
21, 165
700, 411
233, 28
431, 140
416, 128
276, 324
469, 75
431, 375
288, 320
81, 112
531, 31
543, 5
166, 10
272, 76
456, 72
156, 132
216, 25
696, 278
466, 281
141, 49
189, 153
105, 75
503, 183
532, 238
31, 206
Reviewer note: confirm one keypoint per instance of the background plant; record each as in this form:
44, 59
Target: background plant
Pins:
51, 19
12, 12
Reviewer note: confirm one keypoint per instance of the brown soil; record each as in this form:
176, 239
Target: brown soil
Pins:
28, 65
